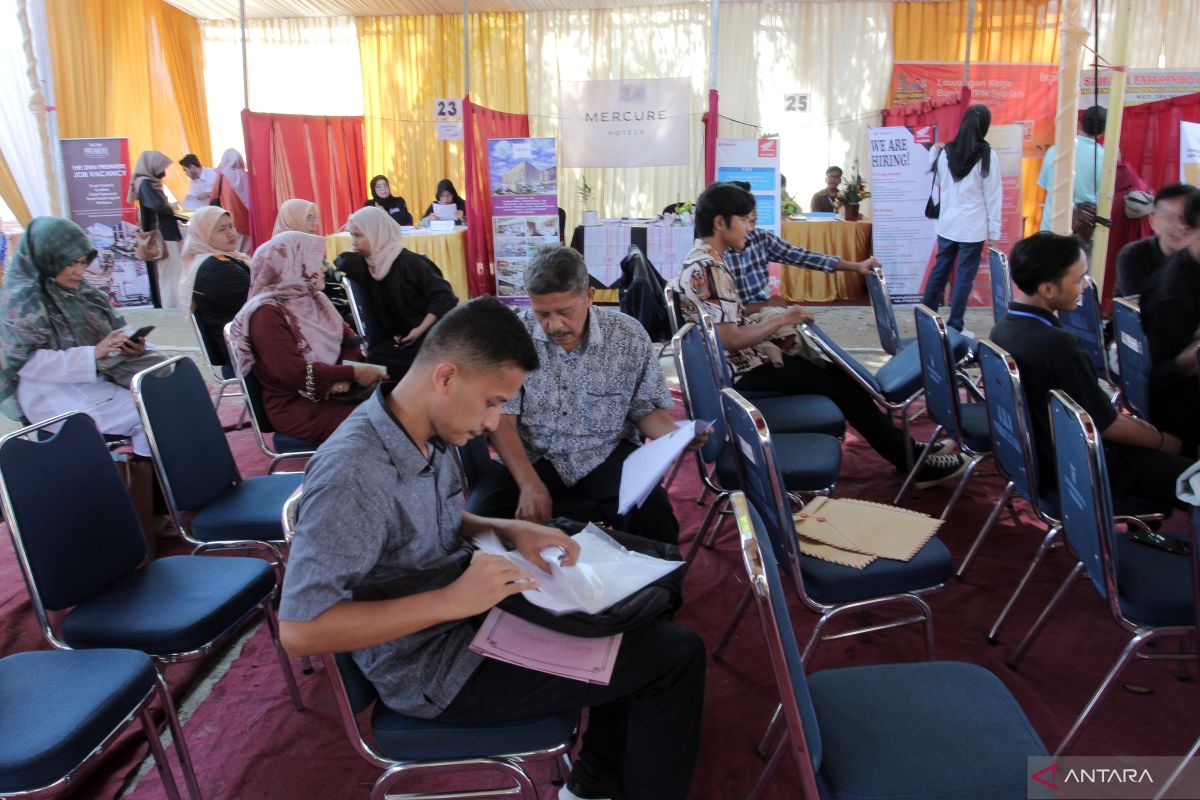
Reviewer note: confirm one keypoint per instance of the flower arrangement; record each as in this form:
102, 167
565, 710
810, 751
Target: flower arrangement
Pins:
854, 189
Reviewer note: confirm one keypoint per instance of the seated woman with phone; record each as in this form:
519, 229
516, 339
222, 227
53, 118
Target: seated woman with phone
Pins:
292, 338
405, 291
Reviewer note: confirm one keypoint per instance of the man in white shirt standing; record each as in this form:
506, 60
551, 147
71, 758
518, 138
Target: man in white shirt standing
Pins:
967, 175
202, 178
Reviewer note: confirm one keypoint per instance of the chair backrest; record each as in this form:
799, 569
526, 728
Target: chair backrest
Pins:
1083, 489
364, 323
834, 352
760, 478
787, 663
885, 315
206, 347
1001, 283
252, 392
937, 372
1085, 323
701, 392
1008, 420
191, 454
1133, 356
716, 353
70, 517
672, 301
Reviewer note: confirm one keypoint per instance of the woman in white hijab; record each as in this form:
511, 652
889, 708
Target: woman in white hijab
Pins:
405, 291
297, 215
232, 192
216, 276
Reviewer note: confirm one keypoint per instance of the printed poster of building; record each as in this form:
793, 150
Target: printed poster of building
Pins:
524, 192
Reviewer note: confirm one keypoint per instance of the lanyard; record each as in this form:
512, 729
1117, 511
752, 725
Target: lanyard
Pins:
1040, 319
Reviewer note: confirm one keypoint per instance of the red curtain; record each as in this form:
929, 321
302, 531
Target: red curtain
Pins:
479, 125
945, 112
312, 158
1150, 137
711, 121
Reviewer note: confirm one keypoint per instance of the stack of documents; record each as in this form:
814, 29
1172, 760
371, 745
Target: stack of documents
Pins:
514, 641
854, 533
644, 467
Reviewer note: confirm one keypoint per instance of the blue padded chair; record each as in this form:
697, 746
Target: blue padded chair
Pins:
1149, 592
223, 376
1133, 356
888, 730
1085, 323
1001, 283
364, 323
60, 711
965, 423
810, 461
889, 328
282, 447
1016, 460
196, 468
794, 413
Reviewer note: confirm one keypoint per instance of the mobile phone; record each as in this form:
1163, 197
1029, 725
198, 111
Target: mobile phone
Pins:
1151, 539
141, 333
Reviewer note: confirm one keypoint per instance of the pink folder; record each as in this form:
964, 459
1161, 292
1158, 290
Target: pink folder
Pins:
515, 641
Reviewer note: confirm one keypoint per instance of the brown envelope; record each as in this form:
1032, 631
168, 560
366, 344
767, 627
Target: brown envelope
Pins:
868, 528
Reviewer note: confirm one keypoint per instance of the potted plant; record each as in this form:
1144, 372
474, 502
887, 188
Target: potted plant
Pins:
590, 217
852, 192
683, 212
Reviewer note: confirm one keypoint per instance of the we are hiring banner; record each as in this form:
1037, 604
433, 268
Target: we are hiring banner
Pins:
625, 123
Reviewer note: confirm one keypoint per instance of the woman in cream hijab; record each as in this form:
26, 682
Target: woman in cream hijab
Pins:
297, 215
405, 291
216, 276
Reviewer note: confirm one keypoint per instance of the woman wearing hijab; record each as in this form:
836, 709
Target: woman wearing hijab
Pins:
157, 213
967, 179
232, 192
382, 197
216, 276
297, 215
289, 335
448, 195
55, 328
406, 292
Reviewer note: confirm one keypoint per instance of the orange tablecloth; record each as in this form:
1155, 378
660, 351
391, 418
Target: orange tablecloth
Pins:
850, 240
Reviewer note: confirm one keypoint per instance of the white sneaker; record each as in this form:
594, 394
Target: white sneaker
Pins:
970, 334
566, 794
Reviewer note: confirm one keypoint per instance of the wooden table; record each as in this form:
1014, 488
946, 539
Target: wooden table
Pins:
447, 250
850, 240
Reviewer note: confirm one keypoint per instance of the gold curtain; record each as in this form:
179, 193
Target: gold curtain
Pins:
1017, 31
11, 194
409, 62
131, 68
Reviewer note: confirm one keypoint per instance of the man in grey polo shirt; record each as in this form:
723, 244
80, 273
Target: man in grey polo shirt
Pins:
565, 436
379, 567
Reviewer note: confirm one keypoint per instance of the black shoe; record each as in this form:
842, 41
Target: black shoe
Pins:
940, 469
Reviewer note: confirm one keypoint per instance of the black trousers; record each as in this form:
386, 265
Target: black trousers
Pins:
592, 499
1142, 472
1173, 409
801, 376
643, 729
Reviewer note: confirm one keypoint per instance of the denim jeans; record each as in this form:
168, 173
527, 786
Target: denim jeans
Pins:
968, 254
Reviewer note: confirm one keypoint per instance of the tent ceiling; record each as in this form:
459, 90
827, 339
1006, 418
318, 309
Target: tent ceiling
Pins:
282, 9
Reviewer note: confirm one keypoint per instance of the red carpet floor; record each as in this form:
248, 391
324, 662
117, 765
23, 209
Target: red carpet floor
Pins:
248, 742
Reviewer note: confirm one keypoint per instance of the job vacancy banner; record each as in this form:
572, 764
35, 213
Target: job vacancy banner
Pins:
625, 123
755, 161
98, 177
1141, 85
524, 192
1189, 153
903, 237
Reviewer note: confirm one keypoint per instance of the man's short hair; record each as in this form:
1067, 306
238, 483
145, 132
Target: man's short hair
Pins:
721, 200
832, 170
482, 333
190, 160
1191, 210
554, 270
1044, 257
1093, 120
742, 184
1174, 190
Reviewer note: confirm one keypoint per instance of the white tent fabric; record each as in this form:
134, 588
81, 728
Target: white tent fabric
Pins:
20, 140
296, 66
1163, 33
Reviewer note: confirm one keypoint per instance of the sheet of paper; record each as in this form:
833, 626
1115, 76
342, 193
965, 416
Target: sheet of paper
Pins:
606, 573
515, 641
644, 468
444, 210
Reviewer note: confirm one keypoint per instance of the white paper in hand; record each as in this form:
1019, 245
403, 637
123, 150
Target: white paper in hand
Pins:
445, 210
644, 467
605, 573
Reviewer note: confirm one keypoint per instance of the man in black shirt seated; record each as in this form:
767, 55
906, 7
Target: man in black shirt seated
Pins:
1139, 261
1171, 319
1048, 270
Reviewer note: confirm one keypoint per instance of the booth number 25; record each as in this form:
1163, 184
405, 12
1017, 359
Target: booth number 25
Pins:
795, 102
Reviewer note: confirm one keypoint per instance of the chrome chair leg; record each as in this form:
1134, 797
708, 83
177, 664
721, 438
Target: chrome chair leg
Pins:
690, 556
1102, 690
1040, 622
671, 476
962, 484
765, 742
181, 749
711, 540
306, 666
988, 524
769, 770
738, 613
285, 662
1043, 548
160, 755
1174, 777
912, 472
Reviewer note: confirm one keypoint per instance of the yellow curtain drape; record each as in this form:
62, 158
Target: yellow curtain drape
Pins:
409, 62
11, 194
130, 68
1016, 31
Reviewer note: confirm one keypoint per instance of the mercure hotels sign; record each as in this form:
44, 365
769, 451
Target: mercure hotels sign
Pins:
625, 123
